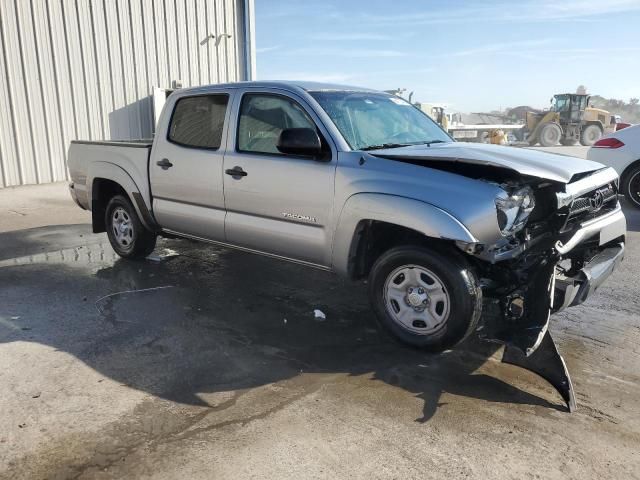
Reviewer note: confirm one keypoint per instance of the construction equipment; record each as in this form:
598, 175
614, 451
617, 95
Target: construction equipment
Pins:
481, 133
436, 111
569, 120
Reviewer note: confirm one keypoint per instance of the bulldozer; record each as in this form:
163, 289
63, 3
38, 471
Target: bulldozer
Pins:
569, 120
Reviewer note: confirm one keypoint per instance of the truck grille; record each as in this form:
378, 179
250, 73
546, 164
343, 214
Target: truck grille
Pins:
591, 205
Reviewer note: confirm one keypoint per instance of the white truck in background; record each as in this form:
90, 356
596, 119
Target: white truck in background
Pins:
481, 133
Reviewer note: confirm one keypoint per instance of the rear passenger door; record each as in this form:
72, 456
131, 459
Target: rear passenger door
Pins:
185, 167
279, 204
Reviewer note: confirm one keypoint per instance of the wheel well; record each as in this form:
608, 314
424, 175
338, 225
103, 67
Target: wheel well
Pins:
102, 191
631, 166
372, 238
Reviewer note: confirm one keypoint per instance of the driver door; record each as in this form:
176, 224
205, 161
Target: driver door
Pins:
276, 203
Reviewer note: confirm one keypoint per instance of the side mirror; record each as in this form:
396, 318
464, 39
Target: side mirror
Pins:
299, 141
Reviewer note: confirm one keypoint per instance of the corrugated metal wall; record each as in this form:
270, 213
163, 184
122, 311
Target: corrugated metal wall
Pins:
84, 69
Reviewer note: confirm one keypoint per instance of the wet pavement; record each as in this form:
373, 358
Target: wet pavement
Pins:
202, 362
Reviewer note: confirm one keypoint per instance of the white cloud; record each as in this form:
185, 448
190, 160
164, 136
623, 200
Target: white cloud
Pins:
347, 52
524, 11
345, 37
268, 49
502, 47
573, 54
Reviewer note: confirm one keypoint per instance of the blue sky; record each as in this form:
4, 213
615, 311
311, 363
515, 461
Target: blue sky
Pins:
471, 55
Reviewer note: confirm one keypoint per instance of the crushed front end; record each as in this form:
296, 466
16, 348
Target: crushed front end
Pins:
570, 241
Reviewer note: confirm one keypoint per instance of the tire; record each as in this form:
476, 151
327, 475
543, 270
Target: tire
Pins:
631, 186
568, 142
440, 283
590, 135
550, 135
128, 237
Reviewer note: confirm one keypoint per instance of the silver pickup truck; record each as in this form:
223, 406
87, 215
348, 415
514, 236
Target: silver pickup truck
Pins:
452, 237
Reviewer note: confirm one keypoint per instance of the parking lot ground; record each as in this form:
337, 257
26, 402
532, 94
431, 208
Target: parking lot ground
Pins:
202, 362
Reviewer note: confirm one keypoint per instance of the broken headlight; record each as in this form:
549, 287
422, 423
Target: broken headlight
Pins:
514, 209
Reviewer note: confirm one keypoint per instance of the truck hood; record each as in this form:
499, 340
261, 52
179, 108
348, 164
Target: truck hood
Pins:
534, 163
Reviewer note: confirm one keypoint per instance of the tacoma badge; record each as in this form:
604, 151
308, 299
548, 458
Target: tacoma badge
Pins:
295, 216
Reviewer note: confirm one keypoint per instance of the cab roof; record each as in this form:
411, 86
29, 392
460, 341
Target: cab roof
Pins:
290, 85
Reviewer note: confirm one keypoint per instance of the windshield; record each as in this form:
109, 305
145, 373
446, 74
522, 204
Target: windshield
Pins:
374, 120
559, 104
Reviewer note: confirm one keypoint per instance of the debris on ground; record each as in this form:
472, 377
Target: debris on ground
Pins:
128, 291
166, 253
319, 315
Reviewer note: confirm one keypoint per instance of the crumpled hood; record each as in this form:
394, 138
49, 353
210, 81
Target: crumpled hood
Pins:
535, 163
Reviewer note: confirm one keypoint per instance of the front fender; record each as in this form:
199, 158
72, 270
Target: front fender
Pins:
422, 217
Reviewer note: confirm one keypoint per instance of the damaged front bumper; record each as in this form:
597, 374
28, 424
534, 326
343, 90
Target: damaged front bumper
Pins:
542, 356
607, 227
574, 290
519, 317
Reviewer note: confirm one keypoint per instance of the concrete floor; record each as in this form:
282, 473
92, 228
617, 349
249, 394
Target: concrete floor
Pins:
213, 366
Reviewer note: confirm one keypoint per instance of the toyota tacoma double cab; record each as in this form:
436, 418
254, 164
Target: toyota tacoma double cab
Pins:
452, 238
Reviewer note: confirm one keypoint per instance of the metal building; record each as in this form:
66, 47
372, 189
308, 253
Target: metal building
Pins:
87, 69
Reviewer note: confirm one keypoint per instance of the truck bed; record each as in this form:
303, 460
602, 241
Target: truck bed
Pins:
89, 160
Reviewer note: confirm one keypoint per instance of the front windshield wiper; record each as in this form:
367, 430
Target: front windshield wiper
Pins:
428, 144
398, 145
385, 145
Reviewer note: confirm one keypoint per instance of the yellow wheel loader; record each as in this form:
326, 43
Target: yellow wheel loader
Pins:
569, 120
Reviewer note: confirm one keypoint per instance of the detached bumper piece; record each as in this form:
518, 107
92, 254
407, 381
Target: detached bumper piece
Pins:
547, 362
525, 335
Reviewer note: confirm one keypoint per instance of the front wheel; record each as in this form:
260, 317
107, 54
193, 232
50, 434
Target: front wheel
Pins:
631, 186
550, 135
423, 298
128, 237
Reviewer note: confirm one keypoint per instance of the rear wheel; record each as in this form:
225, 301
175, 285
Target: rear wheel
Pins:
631, 186
590, 135
550, 135
128, 237
424, 298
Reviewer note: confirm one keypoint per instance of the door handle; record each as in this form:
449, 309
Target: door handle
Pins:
236, 172
164, 163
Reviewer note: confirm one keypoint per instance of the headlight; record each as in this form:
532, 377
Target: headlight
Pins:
513, 210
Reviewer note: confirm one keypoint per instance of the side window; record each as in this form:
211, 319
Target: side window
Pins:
263, 117
198, 121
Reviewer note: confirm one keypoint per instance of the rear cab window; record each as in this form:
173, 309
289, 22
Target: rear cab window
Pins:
198, 121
